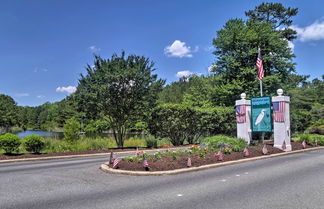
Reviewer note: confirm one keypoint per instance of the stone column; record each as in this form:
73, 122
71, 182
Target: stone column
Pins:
244, 126
281, 123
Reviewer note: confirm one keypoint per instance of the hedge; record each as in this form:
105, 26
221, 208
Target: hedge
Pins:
180, 122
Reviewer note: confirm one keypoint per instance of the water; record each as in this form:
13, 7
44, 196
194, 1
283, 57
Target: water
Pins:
44, 134
60, 135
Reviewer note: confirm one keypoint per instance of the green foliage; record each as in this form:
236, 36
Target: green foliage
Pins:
34, 143
237, 45
10, 143
277, 16
71, 130
8, 112
227, 150
218, 141
180, 122
317, 127
53, 145
134, 142
97, 126
151, 142
310, 139
121, 88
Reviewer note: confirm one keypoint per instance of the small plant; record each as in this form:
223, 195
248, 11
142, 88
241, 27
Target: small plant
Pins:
227, 150
151, 142
10, 143
202, 155
34, 143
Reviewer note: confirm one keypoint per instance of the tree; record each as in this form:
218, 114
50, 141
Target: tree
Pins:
71, 130
277, 15
8, 112
121, 88
237, 49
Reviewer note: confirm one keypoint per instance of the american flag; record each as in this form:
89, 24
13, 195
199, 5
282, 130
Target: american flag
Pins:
259, 65
246, 152
145, 163
264, 149
304, 144
283, 146
279, 111
116, 162
189, 162
241, 113
219, 156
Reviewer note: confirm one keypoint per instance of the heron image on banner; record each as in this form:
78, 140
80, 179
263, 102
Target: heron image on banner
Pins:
261, 114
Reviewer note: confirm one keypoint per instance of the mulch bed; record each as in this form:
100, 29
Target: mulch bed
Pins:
169, 163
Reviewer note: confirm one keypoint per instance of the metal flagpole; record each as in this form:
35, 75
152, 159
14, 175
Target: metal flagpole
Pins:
261, 88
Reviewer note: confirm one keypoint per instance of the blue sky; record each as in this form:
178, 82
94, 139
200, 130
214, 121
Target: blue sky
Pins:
45, 45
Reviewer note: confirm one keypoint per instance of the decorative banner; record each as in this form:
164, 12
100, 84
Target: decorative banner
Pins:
240, 113
279, 111
261, 114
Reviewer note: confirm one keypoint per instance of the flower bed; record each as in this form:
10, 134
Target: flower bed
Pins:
169, 160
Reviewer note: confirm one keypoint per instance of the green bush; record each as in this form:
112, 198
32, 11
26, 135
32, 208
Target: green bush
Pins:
10, 143
180, 122
134, 142
151, 142
310, 138
34, 143
216, 142
71, 130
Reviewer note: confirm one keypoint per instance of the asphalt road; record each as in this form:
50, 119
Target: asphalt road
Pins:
293, 181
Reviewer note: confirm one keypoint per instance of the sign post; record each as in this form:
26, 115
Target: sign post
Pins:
243, 118
281, 121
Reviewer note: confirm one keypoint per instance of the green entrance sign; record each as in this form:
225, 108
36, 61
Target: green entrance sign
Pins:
261, 114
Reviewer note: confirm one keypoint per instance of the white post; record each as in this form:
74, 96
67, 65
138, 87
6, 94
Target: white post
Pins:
281, 130
244, 128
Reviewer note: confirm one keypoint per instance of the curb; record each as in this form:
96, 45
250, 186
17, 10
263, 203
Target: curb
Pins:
107, 169
75, 156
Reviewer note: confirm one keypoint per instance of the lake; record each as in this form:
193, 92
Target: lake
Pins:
60, 135
44, 134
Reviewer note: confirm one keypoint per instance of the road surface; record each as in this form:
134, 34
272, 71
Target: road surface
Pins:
293, 181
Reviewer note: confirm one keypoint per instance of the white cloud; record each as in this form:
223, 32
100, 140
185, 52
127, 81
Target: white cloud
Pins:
36, 70
291, 45
40, 96
179, 49
94, 49
21, 94
184, 73
68, 89
312, 32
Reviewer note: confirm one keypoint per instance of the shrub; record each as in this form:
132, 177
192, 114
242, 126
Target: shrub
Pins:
180, 122
151, 142
34, 143
216, 142
134, 142
71, 130
9, 142
310, 139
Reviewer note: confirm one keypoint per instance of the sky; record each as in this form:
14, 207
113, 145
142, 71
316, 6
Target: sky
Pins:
46, 45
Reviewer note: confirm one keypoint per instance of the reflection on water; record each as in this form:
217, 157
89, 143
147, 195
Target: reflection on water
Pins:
60, 135
41, 133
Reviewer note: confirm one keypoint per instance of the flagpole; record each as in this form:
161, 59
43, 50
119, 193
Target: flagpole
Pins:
261, 88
